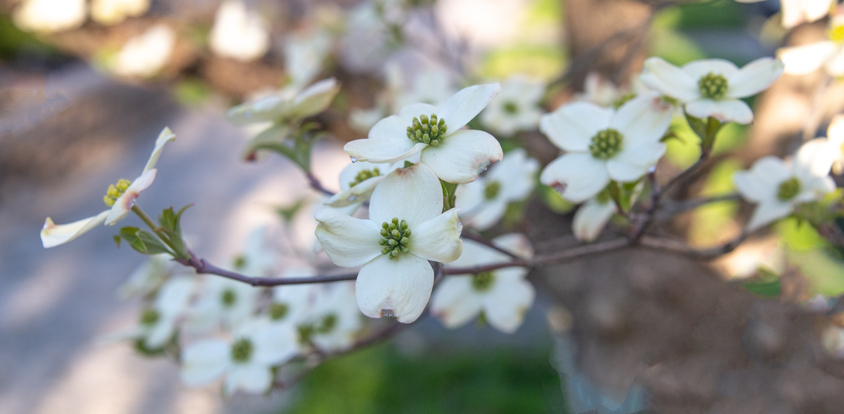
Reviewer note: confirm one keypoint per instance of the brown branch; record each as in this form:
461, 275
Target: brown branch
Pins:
673, 246
488, 243
678, 207
317, 185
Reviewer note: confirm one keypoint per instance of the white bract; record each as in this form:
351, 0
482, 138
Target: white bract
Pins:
829, 54
455, 155
503, 295
777, 187
431, 86
484, 201
239, 33
795, 12
405, 229
246, 359
258, 257
293, 304
357, 182
603, 144
120, 198
221, 300
110, 12
48, 16
334, 321
146, 54
592, 216
516, 108
157, 323
304, 55
835, 134
712, 87
147, 277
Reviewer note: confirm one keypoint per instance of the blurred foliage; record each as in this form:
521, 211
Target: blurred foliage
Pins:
766, 285
709, 221
381, 380
816, 259
685, 149
723, 14
13, 41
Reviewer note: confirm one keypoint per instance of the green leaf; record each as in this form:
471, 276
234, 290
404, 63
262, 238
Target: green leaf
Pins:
117, 240
151, 243
766, 285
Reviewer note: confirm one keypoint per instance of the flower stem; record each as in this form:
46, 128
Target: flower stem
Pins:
146, 219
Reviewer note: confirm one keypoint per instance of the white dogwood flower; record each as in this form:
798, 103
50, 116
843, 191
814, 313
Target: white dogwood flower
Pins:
239, 33
119, 198
157, 323
777, 187
455, 155
405, 229
334, 321
245, 360
835, 134
592, 216
713, 87
47, 16
795, 12
432, 85
293, 304
357, 182
603, 144
829, 54
305, 54
516, 108
223, 301
145, 55
483, 202
110, 12
503, 295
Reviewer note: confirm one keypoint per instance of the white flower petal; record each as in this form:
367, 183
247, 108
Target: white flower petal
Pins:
517, 174
387, 142
124, 203
416, 110
160, 333
354, 195
835, 64
315, 98
506, 304
703, 67
487, 215
275, 343
754, 77
768, 212
795, 12
515, 243
591, 218
572, 126
55, 234
805, 59
413, 194
454, 302
204, 361
469, 197
348, 241
399, 287
670, 80
438, 239
164, 137
634, 161
458, 110
462, 156
174, 295
724, 110
643, 119
762, 181
252, 378
815, 158
580, 175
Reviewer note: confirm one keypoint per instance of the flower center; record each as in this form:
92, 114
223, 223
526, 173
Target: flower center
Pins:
115, 191
605, 144
836, 34
149, 317
395, 238
788, 189
483, 281
328, 323
713, 86
427, 130
364, 175
278, 311
242, 350
228, 297
510, 108
305, 333
492, 189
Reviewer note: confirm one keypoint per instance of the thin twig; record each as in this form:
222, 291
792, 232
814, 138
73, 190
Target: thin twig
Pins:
317, 185
673, 246
488, 243
678, 207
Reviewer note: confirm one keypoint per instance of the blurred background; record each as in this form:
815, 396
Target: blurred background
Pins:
83, 95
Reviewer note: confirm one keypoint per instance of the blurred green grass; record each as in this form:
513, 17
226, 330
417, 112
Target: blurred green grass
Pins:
382, 380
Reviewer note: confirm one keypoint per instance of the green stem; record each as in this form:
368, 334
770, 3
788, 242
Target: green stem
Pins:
145, 218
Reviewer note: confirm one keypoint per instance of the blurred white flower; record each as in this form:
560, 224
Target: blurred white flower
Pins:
120, 198
604, 144
245, 360
357, 182
833, 340
432, 85
829, 54
516, 108
110, 12
777, 187
365, 45
293, 304
305, 54
147, 277
239, 33
157, 323
712, 87
484, 201
364, 119
592, 216
599, 91
334, 321
146, 54
503, 295
405, 229
48, 16
795, 12
455, 155
258, 257
835, 134
221, 300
